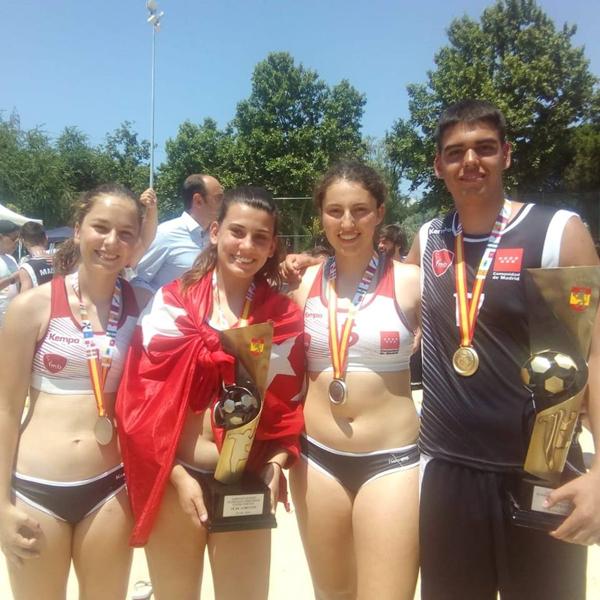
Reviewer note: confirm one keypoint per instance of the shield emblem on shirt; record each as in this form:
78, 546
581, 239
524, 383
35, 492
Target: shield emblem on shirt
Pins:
54, 362
441, 261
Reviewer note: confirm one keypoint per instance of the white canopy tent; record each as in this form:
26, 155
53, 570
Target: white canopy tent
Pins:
11, 215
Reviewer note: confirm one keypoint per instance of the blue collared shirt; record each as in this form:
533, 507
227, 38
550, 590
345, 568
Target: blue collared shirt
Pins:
173, 251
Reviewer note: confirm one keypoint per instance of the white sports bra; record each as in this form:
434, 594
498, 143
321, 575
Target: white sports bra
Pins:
381, 339
59, 364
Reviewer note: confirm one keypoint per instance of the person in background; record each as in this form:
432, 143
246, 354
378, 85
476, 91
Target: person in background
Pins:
9, 269
393, 242
179, 241
37, 268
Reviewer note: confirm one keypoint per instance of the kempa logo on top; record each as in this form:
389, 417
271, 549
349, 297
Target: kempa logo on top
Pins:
63, 339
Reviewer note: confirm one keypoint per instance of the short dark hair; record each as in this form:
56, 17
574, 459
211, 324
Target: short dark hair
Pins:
353, 171
470, 111
194, 184
33, 234
395, 234
7, 227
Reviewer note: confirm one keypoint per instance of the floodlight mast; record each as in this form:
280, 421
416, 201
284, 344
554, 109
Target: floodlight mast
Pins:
154, 20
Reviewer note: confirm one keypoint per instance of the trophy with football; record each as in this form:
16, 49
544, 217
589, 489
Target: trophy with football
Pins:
235, 499
562, 304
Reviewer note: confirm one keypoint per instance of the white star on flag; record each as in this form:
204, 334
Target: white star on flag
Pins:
162, 321
280, 363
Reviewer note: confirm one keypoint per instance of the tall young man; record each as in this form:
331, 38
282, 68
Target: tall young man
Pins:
472, 435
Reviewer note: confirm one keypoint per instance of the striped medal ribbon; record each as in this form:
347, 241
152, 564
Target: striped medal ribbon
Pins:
466, 360
338, 390
99, 363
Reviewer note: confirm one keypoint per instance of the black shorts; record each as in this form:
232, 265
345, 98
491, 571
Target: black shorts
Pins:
470, 549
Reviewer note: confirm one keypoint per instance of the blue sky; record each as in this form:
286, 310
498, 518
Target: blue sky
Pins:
85, 63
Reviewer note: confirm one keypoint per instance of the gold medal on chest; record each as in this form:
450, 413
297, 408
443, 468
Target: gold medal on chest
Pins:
465, 361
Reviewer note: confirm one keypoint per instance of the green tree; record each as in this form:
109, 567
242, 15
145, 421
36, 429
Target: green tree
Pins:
195, 149
124, 159
583, 173
82, 164
516, 58
9, 157
398, 205
292, 126
30, 173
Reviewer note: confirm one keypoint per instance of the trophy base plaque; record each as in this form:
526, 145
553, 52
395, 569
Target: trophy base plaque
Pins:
526, 505
237, 506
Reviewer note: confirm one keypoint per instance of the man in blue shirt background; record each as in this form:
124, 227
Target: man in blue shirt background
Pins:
179, 241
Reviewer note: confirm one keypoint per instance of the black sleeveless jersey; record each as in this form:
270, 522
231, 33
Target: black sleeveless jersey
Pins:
39, 268
481, 420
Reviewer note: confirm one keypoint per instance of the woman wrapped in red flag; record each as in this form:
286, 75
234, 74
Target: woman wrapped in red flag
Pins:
173, 377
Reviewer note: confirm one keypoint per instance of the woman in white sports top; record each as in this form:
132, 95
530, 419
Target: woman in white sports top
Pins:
356, 491
62, 493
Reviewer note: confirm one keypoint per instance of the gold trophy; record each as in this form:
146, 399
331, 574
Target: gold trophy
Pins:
237, 500
562, 305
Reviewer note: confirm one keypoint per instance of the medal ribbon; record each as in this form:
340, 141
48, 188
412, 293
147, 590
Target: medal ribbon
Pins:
467, 310
339, 346
99, 367
244, 317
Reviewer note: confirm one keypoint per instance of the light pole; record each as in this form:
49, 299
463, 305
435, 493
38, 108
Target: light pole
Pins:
154, 20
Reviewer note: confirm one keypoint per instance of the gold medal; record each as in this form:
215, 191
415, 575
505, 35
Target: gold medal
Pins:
338, 390
465, 361
103, 430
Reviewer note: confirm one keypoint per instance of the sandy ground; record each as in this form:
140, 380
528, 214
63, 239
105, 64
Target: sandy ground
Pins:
290, 579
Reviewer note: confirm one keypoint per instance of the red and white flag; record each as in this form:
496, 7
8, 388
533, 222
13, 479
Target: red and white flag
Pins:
175, 363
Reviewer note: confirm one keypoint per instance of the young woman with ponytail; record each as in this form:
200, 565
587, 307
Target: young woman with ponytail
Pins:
62, 494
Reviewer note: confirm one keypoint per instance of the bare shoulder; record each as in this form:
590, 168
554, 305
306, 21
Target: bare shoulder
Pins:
29, 312
300, 294
407, 289
406, 271
577, 247
414, 254
407, 281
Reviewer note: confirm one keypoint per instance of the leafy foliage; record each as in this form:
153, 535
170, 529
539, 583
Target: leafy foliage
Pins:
583, 172
290, 129
196, 149
516, 58
41, 178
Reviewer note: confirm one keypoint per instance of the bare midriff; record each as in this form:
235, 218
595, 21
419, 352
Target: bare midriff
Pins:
378, 413
57, 441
